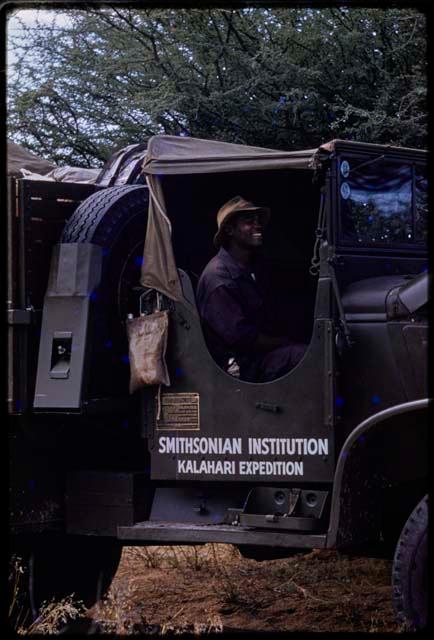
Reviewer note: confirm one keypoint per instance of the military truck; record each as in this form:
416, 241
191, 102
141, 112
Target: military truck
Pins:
331, 455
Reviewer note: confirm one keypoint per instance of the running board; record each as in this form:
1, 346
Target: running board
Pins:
154, 532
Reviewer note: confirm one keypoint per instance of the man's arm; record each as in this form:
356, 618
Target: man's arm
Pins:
224, 315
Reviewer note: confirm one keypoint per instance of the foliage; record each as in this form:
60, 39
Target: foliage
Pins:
52, 616
285, 78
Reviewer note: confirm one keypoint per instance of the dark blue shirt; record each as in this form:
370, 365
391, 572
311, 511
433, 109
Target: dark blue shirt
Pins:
232, 306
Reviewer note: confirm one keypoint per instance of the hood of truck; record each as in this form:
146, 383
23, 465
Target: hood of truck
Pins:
385, 297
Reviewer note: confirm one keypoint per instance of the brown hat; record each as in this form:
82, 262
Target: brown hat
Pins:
232, 207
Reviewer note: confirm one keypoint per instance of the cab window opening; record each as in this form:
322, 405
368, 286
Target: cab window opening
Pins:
192, 203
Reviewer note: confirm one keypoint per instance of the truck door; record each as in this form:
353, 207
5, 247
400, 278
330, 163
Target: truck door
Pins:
211, 426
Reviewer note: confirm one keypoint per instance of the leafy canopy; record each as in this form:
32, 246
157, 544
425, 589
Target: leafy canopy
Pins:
285, 78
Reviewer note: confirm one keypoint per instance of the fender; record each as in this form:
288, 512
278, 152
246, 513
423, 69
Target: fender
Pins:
364, 463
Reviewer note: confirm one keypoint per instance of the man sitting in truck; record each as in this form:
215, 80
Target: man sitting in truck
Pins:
232, 299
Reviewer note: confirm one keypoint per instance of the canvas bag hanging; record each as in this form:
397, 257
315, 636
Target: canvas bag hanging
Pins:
147, 339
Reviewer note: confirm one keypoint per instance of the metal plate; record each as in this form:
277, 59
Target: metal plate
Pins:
179, 412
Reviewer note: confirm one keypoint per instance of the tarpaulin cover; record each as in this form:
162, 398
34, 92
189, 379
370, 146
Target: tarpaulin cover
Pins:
22, 163
77, 175
173, 155
20, 158
123, 165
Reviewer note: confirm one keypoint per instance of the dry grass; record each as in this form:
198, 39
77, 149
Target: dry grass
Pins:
122, 613
210, 589
52, 616
194, 557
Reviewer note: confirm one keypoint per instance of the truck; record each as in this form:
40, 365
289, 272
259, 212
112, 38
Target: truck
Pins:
331, 455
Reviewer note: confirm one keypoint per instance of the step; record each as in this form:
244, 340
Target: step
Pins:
162, 532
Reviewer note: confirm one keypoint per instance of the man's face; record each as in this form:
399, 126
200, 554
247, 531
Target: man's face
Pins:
245, 230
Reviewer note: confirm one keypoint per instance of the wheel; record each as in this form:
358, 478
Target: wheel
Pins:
59, 565
102, 217
410, 570
115, 219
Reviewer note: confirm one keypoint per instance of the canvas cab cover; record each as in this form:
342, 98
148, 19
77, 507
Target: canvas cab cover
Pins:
173, 155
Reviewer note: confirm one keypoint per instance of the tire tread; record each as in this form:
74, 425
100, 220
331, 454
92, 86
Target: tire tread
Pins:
98, 218
411, 534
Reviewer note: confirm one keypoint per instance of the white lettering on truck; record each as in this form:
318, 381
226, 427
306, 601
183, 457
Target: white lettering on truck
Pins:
168, 444
285, 447
288, 446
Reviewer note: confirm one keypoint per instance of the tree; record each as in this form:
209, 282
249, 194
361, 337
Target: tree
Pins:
283, 78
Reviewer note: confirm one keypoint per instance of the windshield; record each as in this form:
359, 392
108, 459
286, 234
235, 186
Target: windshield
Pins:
383, 202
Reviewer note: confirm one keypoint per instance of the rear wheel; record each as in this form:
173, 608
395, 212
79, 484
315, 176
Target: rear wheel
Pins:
58, 566
410, 570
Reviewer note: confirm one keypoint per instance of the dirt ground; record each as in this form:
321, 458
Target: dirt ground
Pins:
212, 589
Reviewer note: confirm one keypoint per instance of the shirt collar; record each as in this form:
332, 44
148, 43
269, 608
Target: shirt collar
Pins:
236, 269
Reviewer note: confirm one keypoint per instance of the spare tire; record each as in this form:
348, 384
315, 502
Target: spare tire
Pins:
115, 219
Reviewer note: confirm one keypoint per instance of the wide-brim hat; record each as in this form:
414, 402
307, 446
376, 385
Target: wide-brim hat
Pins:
233, 207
